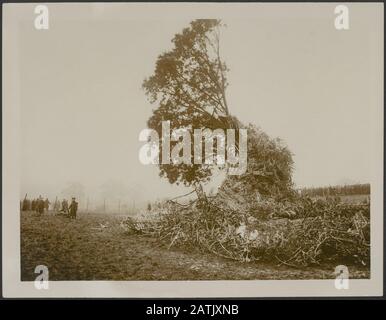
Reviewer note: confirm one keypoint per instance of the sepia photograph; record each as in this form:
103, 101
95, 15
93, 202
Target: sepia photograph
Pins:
149, 149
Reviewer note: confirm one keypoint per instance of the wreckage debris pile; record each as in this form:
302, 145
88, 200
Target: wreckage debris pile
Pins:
297, 233
260, 216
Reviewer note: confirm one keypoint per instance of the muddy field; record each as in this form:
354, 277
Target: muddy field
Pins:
95, 247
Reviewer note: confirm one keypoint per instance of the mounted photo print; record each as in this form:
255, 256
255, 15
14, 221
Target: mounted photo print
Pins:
192, 150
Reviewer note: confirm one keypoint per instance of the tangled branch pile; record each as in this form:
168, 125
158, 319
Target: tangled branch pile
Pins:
260, 216
320, 231
340, 233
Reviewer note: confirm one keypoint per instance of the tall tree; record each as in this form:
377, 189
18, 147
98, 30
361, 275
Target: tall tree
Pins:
188, 86
189, 89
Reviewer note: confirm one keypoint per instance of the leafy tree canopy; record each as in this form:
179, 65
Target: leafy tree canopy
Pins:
188, 86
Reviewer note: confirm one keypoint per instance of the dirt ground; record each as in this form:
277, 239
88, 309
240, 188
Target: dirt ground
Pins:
96, 247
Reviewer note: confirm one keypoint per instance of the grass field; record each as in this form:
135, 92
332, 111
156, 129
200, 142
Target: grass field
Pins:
82, 249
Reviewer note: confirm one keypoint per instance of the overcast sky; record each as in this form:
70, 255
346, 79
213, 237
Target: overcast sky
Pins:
291, 73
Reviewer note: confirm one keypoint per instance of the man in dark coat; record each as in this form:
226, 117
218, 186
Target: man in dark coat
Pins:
47, 204
73, 208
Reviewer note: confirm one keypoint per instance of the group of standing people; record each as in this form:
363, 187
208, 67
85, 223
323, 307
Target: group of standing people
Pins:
40, 205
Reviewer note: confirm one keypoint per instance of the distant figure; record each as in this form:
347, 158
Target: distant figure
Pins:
47, 204
40, 205
26, 205
56, 205
33, 205
73, 208
64, 206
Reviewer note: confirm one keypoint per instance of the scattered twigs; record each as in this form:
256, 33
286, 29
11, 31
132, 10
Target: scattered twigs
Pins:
285, 262
184, 195
323, 231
